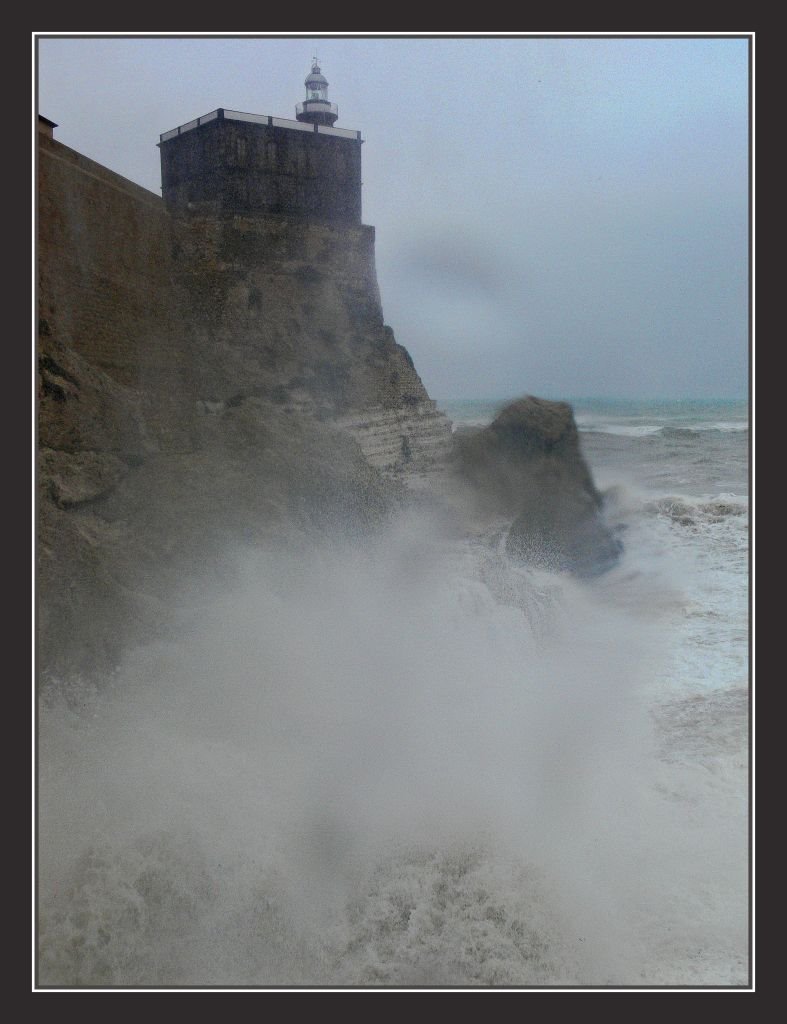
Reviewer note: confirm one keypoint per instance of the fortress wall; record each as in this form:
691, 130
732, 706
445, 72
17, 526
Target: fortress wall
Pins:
106, 287
185, 367
292, 310
241, 167
196, 312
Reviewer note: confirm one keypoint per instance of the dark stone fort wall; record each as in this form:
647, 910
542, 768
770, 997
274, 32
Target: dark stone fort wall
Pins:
237, 167
205, 306
105, 255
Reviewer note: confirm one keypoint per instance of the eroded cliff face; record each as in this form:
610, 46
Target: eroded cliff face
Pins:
208, 385
203, 384
291, 312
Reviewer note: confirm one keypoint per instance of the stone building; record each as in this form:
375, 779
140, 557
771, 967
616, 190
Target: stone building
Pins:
207, 373
229, 162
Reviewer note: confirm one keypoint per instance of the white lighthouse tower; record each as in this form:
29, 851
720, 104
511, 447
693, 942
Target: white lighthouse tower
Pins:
315, 108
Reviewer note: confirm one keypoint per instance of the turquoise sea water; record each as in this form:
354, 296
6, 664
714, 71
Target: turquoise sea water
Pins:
619, 413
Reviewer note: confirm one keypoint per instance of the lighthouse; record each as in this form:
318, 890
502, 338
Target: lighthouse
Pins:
232, 163
316, 109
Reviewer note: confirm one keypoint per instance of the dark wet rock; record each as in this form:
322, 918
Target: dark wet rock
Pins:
528, 463
563, 532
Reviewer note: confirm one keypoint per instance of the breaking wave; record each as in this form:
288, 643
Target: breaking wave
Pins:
407, 762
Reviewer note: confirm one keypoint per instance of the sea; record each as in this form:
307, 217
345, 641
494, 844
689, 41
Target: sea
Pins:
405, 762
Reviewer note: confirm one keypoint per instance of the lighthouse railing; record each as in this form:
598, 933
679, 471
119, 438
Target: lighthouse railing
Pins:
298, 126
317, 106
344, 133
267, 119
240, 115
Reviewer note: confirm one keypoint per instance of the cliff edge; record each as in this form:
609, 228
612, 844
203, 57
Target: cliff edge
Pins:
203, 383
208, 383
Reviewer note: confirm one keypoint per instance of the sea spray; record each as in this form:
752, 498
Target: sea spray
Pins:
400, 762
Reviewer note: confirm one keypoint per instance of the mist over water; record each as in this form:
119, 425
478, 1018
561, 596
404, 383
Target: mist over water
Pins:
406, 762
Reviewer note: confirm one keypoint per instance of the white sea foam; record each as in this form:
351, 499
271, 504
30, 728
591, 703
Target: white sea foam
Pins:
589, 425
734, 426
409, 763
621, 429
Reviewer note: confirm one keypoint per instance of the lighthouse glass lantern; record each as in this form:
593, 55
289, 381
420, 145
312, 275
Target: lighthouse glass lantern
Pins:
316, 108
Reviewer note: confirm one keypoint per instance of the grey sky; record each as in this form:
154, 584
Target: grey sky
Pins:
560, 216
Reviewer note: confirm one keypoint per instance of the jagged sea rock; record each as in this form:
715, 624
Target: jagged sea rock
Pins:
563, 532
528, 463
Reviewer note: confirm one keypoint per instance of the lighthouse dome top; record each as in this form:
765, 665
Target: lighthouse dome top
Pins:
315, 79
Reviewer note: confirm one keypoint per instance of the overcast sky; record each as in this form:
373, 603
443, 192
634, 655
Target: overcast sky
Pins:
557, 216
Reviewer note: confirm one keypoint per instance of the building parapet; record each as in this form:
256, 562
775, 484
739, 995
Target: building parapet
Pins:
316, 106
275, 122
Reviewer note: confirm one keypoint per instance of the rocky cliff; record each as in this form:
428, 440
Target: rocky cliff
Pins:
203, 383
207, 383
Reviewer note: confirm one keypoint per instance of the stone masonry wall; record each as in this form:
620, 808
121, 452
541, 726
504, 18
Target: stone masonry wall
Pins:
106, 286
203, 381
191, 315
238, 167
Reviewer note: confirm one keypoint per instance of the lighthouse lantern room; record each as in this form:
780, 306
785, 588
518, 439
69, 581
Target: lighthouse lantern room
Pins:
316, 109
